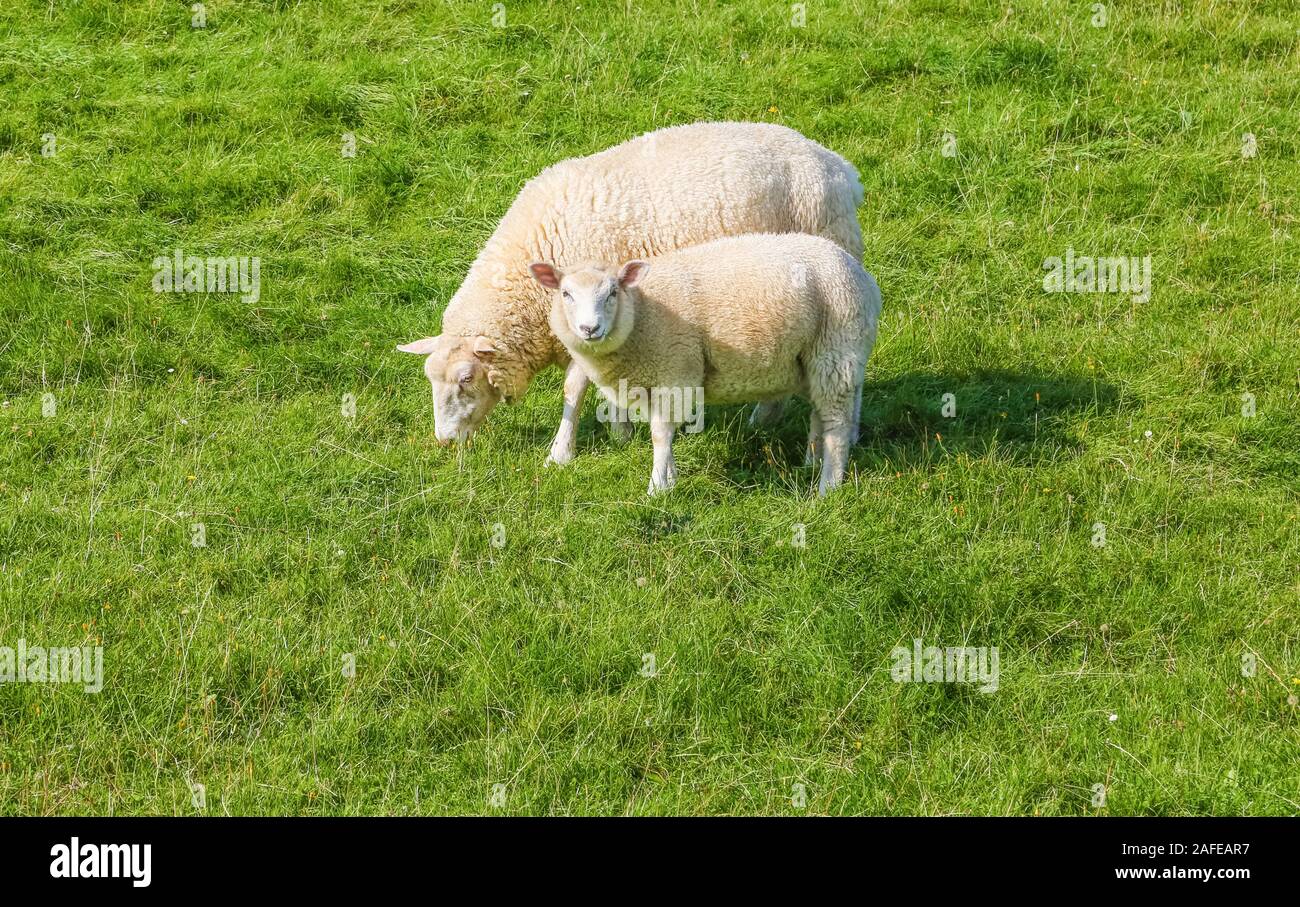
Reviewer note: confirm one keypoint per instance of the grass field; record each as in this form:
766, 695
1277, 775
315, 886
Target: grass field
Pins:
619, 654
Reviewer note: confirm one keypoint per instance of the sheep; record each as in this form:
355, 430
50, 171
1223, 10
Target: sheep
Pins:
738, 319
650, 195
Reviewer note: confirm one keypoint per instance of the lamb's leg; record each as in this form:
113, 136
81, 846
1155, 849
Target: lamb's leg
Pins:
620, 426
837, 437
813, 455
565, 444
664, 475
767, 412
834, 385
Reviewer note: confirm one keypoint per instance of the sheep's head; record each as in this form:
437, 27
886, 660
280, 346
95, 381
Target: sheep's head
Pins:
464, 390
593, 300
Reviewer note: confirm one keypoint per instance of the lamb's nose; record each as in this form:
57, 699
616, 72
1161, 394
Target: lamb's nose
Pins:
587, 329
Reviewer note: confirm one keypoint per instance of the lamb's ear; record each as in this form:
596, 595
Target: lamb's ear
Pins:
631, 273
546, 275
420, 347
484, 348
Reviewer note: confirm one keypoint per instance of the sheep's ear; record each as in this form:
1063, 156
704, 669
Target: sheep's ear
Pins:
419, 347
546, 275
631, 273
484, 348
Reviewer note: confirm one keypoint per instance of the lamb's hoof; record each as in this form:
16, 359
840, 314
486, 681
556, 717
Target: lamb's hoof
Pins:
826, 488
559, 457
661, 487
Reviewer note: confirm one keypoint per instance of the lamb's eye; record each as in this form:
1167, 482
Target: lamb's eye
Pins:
567, 297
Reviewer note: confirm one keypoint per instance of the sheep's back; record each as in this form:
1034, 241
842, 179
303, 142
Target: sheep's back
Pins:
683, 186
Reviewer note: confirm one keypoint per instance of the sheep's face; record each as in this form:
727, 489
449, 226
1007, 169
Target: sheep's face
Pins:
458, 371
590, 298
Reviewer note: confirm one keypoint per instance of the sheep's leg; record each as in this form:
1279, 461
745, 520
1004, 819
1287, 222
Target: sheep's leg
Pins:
837, 437
664, 475
620, 426
813, 455
767, 412
565, 444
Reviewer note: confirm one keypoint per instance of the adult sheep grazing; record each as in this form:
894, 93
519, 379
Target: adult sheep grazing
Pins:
737, 319
650, 195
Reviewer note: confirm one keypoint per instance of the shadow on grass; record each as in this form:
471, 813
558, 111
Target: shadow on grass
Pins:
1026, 417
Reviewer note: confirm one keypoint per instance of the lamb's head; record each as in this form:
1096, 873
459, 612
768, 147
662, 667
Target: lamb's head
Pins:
464, 390
594, 305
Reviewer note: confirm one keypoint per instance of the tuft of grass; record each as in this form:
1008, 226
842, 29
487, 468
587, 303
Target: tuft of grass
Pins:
722, 648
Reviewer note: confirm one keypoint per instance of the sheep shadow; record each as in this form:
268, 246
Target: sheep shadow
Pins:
909, 422
1028, 417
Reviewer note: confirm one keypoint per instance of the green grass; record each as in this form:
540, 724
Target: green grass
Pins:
522, 665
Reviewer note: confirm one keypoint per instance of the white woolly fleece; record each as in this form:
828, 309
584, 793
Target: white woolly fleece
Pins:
756, 317
653, 194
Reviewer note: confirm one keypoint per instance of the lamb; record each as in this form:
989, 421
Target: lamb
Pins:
650, 195
743, 318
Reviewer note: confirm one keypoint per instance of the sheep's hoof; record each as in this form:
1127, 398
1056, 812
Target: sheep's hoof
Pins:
767, 412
